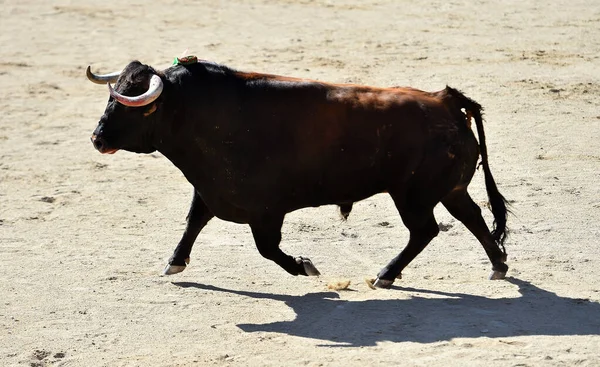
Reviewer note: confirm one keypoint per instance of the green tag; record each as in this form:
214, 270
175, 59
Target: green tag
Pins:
187, 60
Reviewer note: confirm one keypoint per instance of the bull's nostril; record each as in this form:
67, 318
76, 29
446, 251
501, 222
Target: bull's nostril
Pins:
98, 144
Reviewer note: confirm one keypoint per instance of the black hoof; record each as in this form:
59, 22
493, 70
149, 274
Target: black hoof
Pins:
498, 271
497, 275
308, 267
382, 283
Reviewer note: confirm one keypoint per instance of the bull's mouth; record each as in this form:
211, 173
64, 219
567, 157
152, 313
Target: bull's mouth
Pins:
106, 150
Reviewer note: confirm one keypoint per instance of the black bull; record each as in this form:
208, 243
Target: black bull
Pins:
258, 146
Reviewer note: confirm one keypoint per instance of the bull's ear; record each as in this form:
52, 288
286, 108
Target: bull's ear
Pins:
150, 110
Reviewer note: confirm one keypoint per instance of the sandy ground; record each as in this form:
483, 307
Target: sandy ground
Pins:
84, 237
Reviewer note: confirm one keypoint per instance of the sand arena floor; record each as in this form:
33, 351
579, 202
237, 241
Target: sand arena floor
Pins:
84, 237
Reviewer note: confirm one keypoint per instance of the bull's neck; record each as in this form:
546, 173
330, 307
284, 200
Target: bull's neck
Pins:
187, 136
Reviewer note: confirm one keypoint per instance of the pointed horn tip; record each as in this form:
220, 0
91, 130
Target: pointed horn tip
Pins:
101, 79
92, 77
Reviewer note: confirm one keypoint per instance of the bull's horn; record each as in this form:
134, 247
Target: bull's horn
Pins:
101, 79
153, 92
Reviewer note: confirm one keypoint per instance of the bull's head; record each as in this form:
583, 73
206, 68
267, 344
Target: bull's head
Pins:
129, 119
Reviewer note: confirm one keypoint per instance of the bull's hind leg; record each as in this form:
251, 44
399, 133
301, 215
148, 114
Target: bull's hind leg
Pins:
267, 236
197, 218
463, 208
423, 228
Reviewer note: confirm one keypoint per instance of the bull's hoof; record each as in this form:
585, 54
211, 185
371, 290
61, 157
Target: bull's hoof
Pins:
498, 271
308, 266
382, 283
496, 275
173, 269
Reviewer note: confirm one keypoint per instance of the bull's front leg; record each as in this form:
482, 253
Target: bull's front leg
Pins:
197, 218
267, 236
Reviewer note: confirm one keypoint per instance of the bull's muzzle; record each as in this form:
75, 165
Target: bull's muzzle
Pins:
100, 145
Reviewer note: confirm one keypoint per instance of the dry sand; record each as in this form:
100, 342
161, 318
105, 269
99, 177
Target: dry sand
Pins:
84, 237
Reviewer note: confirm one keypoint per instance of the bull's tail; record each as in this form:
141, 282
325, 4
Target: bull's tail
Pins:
497, 201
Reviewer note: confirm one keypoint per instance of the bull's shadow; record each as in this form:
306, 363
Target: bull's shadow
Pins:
450, 315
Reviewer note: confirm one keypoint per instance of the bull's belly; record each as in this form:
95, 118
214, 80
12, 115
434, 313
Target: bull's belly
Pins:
223, 207
337, 193
243, 211
243, 202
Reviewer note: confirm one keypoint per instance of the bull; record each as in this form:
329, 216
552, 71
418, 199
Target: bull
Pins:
258, 146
